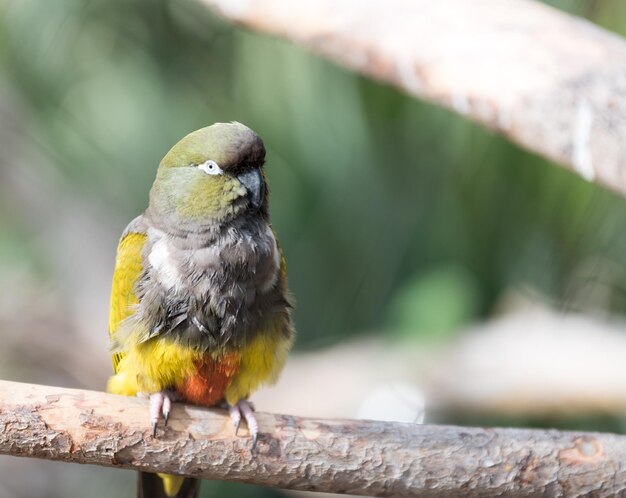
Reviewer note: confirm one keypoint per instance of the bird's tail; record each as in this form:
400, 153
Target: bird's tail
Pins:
166, 486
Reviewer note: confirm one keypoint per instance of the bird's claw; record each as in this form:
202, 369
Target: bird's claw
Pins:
255, 438
160, 404
235, 416
243, 408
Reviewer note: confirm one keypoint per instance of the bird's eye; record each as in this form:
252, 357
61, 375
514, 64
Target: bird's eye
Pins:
210, 168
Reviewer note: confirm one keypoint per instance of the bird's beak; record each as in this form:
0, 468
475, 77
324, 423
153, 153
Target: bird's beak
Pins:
253, 181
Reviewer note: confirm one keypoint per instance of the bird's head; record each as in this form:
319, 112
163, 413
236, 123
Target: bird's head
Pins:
212, 175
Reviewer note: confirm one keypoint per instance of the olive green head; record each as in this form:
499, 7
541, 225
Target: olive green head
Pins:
211, 175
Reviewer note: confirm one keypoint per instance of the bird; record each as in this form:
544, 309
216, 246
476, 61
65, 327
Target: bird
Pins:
200, 308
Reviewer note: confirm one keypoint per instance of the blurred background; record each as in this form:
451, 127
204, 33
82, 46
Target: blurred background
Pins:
440, 272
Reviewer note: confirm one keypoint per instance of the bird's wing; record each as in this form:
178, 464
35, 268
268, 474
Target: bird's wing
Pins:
128, 269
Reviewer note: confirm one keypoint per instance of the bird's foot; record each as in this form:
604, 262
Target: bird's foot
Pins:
244, 408
160, 404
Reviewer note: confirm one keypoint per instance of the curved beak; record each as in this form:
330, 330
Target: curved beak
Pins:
253, 181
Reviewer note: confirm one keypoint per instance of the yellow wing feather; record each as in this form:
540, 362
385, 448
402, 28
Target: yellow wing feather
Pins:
128, 268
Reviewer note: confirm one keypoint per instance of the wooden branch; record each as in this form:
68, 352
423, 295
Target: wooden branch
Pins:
345, 456
551, 82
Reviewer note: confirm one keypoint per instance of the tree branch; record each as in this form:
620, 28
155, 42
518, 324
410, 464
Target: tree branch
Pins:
346, 456
550, 82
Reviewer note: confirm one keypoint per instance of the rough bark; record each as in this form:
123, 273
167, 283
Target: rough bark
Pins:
551, 82
342, 456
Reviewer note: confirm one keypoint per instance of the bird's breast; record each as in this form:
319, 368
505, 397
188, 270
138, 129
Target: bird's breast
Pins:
238, 258
210, 292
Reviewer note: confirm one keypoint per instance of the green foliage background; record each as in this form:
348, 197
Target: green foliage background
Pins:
395, 216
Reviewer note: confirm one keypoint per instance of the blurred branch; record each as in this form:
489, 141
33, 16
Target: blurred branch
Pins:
549, 81
354, 457
532, 362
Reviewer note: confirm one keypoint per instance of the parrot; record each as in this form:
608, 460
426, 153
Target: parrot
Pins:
200, 310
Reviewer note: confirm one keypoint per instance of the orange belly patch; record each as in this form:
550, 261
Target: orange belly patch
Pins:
210, 380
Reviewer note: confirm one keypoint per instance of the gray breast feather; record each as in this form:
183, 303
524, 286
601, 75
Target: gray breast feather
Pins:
213, 289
